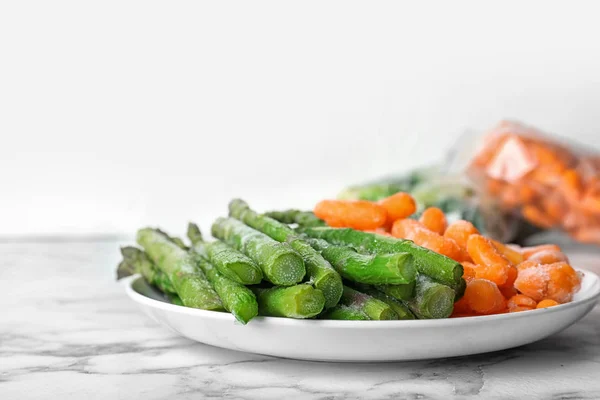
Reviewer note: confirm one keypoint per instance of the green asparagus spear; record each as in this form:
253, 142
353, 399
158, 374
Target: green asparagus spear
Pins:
342, 312
231, 263
137, 261
174, 239
175, 299
125, 269
236, 298
373, 308
399, 292
437, 266
374, 269
398, 306
302, 218
460, 290
280, 264
320, 272
299, 301
432, 299
188, 280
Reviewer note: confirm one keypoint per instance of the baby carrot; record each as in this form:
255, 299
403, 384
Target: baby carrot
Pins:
460, 231
398, 206
357, 214
519, 309
529, 251
548, 257
415, 231
484, 297
520, 300
547, 303
491, 264
514, 256
434, 219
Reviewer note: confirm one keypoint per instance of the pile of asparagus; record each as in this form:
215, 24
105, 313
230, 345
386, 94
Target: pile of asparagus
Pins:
289, 264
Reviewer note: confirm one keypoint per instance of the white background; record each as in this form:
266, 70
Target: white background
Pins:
119, 114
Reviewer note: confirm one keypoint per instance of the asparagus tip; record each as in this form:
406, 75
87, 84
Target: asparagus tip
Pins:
194, 233
125, 269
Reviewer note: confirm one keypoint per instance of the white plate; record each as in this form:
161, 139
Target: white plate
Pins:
323, 340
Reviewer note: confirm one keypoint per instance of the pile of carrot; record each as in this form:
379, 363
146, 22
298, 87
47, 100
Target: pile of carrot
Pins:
500, 277
549, 183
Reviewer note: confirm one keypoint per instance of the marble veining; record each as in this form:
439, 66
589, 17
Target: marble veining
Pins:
68, 331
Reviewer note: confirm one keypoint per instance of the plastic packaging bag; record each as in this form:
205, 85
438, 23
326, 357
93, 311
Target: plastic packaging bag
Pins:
548, 183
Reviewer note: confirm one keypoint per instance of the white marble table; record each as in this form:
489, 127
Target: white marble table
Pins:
68, 331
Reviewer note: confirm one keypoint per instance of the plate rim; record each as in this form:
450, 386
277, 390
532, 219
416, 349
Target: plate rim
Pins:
407, 324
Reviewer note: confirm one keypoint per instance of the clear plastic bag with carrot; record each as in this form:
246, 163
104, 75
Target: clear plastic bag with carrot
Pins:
546, 182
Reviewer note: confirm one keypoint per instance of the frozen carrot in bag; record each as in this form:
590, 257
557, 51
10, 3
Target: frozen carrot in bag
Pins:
537, 217
549, 183
571, 184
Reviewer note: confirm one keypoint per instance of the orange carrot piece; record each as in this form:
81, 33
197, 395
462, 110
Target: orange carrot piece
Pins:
547, 303
528, 264
491, 264
563, 282
358, 214
403, 228
398, 206
415, 231
484, 297
512, 255
533, 282
511, 277
434, 219
460, 231
571, 185
548, 257
468, 271
494, 273
557, 281
529, 251
520, 300
519, 309
508, 291
462, 307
